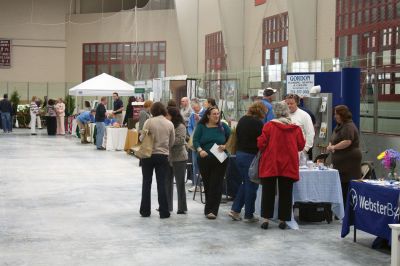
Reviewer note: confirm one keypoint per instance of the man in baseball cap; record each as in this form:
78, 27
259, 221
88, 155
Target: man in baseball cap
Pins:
267, 101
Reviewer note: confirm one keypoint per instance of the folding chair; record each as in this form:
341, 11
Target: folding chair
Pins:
367, 170
200, 186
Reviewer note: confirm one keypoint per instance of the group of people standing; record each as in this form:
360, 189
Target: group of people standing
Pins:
55, 116
280, 132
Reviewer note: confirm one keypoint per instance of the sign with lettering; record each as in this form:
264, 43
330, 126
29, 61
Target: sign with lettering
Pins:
300, 84
5, 53
371, 207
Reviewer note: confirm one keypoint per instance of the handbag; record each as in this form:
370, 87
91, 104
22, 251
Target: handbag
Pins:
230, 145
189, 144
253, 169
145, 148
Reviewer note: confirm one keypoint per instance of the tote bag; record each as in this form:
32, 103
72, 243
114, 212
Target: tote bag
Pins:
189, 144
253, 169
231, 143
145, 148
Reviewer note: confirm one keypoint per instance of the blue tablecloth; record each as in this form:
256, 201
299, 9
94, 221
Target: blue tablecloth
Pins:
314, 186
370, 208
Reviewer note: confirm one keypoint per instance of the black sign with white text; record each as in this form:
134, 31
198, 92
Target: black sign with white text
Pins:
5, 53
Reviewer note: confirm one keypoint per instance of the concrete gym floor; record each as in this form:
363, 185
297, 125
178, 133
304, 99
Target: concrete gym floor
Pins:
63, 203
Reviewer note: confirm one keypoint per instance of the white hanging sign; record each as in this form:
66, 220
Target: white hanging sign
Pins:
300, 84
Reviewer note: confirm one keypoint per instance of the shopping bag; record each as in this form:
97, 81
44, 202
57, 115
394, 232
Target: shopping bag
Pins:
145, 148
230, 145
189, 144
253, 169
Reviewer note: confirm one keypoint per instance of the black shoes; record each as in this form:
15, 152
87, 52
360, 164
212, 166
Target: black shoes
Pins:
180, 212
101, 149
265, 225
283, 225
165, 216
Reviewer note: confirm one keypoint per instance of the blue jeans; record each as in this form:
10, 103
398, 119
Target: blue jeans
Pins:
195, 165
100, 127
247, 193
6, 122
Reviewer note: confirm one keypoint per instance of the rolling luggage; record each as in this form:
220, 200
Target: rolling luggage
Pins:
314, 212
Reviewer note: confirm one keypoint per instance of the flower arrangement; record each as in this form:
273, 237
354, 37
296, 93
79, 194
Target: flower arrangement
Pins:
389, 159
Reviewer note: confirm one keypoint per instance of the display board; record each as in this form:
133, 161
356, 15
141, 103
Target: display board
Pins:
5, 53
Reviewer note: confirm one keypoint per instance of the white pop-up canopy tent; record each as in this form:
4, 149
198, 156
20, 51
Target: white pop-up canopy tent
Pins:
102, 85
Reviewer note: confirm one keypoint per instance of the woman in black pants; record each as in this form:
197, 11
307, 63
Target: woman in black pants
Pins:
51, 118
210, 131
163, 133
178, 156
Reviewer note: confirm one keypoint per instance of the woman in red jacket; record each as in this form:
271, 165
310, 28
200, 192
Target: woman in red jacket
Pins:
279, 143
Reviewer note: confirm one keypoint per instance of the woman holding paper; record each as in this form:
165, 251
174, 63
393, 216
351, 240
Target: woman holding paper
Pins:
209, 141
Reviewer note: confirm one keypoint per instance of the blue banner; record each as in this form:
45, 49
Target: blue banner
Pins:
371, 208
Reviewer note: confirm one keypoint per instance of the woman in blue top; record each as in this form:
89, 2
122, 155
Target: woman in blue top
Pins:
208, 132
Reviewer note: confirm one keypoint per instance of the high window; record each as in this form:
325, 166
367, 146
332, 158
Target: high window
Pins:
215, 57
275, 39
368, 36
129, 61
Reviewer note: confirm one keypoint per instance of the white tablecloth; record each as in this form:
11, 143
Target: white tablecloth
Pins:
115, 138
92, 126
314, 186
74, 126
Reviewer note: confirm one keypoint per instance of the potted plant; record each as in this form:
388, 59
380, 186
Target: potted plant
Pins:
69, 105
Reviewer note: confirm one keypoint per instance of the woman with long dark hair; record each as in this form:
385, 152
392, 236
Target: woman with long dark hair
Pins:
177, 158
208, 132
128, 119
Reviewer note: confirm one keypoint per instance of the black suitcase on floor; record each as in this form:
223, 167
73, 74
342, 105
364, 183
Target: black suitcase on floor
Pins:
314, 212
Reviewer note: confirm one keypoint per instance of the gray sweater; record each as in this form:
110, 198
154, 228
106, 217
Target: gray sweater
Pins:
178, 152
163, 132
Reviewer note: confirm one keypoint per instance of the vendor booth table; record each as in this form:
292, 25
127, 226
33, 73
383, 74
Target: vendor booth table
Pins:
314, 186
114, 139
371, 206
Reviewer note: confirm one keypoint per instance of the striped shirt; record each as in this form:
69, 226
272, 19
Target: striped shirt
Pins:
34, 108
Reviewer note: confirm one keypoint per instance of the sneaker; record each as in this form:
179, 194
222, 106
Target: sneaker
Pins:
211, 216
101, 148
194, 187
251, 220
235, 216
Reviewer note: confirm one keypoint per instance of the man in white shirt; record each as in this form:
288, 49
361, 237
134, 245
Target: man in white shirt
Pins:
302, 119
